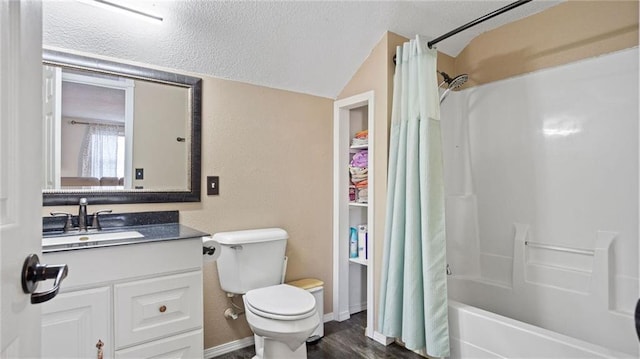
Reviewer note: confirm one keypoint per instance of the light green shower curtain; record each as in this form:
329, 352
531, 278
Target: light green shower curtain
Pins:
413, 293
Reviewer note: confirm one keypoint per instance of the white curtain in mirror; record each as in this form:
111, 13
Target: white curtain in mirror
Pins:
102, 153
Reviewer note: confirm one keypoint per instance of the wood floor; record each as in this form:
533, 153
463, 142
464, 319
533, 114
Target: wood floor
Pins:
342, 340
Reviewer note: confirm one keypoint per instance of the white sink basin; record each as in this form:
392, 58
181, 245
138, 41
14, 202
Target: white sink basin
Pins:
89, 237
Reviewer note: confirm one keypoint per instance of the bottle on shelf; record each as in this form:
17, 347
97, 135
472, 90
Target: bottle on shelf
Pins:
353, 243
362, 241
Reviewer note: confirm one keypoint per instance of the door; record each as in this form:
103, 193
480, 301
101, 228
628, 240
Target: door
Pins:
20, 171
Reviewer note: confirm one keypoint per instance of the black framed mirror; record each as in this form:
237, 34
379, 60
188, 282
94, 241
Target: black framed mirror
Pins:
117, 133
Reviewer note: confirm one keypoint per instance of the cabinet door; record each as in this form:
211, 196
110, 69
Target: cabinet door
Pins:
72, 324
187, 345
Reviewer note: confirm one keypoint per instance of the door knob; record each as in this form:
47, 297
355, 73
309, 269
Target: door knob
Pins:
34, 272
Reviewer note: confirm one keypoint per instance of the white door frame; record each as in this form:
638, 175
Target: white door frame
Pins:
341, 208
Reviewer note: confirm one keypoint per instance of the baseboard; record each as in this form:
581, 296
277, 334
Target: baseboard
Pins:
382, 339
342, 316
357, 308
328, 317
228, 347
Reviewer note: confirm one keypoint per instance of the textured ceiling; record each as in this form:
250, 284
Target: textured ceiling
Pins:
311, 47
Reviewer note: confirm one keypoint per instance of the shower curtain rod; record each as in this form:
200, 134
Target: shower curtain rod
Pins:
477, 21
473, 23
75, 122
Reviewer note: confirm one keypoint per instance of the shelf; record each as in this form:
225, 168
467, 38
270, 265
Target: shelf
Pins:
358, 261
358, 148
358, 204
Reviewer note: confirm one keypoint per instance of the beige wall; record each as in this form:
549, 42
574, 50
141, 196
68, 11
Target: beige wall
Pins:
273, 152
160, 114
562, 34
70, 146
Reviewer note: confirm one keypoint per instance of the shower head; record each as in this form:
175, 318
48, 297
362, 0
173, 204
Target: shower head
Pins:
452, 83
458, 81
455, 82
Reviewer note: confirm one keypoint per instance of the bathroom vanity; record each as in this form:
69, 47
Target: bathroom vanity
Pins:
129, 298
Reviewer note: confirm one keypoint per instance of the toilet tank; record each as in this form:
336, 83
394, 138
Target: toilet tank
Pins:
250, 259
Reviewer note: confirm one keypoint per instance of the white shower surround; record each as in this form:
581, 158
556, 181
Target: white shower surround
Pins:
548, 157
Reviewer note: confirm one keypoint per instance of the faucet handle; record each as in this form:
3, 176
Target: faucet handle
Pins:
96, 223
67, 223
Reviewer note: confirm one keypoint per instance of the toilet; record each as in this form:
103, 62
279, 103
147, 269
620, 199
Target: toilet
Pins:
281, 316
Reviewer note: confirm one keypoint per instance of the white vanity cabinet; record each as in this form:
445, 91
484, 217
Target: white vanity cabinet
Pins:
141, 300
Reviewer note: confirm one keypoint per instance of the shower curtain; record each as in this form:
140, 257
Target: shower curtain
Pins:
413, 294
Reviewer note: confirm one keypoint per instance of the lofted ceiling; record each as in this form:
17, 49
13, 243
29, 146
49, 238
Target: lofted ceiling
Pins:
312, 47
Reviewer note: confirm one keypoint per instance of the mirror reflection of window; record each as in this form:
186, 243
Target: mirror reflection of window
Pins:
102, 151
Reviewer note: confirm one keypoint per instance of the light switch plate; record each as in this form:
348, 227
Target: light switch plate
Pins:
213, 185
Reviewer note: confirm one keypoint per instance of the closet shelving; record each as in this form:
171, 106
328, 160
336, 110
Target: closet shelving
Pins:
353, 277
358, 261
356, 204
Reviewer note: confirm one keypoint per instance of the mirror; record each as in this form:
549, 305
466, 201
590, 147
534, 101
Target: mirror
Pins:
117, 133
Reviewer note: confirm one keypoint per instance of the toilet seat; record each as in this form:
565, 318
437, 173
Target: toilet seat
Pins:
281, 302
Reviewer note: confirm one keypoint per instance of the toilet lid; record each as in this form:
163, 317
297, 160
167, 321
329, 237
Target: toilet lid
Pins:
281, 300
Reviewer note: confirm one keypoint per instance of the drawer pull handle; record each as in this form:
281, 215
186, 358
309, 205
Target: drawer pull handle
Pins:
163, 309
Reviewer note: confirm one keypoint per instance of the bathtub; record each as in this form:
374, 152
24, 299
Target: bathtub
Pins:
476, 333
540, 297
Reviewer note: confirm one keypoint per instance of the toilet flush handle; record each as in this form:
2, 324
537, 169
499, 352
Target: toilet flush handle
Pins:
238, 247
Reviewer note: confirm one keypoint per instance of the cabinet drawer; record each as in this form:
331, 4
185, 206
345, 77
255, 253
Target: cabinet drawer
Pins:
187, 345
153, 308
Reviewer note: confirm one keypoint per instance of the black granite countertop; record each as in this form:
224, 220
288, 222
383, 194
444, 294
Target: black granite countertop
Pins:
151, 231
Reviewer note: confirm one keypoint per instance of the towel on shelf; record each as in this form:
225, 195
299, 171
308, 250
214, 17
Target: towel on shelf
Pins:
359, 142
360, 159
362, 184
358, 174
362, 134
357, 171
361, 138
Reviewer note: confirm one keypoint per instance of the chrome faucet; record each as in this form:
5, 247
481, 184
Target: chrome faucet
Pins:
82, 215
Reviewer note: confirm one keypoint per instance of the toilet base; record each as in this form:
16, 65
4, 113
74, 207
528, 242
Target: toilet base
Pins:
272, 349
